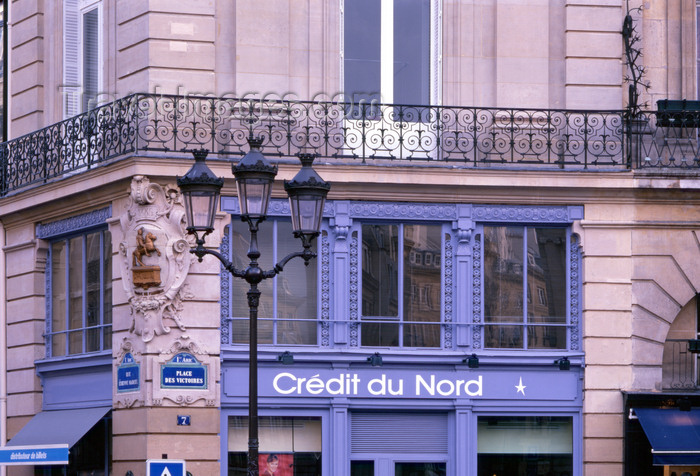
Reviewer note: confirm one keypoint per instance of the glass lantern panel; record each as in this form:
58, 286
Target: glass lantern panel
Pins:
253, 196
306, 212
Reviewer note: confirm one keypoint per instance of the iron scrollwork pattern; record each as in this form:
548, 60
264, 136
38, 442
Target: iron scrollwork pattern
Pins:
454, 136
470, 137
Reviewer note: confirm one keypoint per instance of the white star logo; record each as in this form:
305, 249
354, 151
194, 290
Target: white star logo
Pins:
521, 387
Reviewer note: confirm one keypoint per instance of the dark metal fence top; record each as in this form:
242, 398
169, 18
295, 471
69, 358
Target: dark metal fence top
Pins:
470, 137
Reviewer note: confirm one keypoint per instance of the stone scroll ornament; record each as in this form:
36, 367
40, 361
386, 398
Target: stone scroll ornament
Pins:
154, 257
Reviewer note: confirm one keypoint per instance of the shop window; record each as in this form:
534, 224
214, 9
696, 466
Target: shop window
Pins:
287, 312
520, 261
392, 272
289, 446
525, 445
80, 290
82, 55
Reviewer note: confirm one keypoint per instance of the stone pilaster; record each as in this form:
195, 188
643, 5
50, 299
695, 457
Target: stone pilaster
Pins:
166, 341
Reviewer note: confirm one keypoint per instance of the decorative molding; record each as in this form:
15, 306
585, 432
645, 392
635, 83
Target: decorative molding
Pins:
341, 232
448, 278
354, 290
395, 211
476, 294
325, 291
521, 214
133, 399
464, 236
185, 397
156, 210
74, 224
183, 344
225, 285
575, 291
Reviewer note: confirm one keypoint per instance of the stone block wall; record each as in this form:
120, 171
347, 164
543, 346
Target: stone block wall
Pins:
25, 261
639, 262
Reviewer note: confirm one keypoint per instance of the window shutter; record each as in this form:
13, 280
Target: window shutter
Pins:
71, 81
90, 72
399, 433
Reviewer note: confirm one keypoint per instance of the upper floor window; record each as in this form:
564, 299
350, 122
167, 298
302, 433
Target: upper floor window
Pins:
525, 287
80, 294
287, 312
82, 55
414, 276
388, 53
401, 285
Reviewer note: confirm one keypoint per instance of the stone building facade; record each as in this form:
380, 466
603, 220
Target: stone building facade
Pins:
498, 194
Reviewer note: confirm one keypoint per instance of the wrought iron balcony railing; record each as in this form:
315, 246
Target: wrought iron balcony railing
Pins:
468, 137
680, 366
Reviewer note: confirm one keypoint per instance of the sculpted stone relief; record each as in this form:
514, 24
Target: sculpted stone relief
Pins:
154, 258
158, 363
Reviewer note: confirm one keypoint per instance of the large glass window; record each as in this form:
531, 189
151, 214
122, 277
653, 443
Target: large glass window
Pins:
81, 294
289, 446
525, 445
525, 287
387, 51
401, 285
287, 312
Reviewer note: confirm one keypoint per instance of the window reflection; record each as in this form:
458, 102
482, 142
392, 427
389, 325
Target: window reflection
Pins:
81, 294
408, 315
287, 311
525, 283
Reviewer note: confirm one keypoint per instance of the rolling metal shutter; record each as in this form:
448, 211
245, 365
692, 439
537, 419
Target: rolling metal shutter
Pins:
398, 432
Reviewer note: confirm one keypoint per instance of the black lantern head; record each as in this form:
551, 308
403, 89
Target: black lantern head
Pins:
200, 189
254, 178
564, 363
307, 195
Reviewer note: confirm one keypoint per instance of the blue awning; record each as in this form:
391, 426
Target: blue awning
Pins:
674, 435
58, 427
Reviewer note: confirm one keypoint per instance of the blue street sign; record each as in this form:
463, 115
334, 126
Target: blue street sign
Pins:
128, 375
165, 467
183, 372
31, 455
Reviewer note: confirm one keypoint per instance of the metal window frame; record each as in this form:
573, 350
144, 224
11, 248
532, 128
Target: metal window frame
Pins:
227, 284
400, 272
49, 334
524, 324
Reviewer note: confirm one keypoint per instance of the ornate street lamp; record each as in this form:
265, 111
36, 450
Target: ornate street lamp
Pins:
254, 178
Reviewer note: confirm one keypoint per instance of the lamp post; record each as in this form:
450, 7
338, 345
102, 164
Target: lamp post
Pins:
254, 177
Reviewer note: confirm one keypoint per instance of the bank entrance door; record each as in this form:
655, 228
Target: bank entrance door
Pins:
398, 444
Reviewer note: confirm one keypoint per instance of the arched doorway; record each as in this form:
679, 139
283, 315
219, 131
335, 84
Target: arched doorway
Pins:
661, 434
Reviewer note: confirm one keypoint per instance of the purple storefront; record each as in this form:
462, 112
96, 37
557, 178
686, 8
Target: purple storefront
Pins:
429, 339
